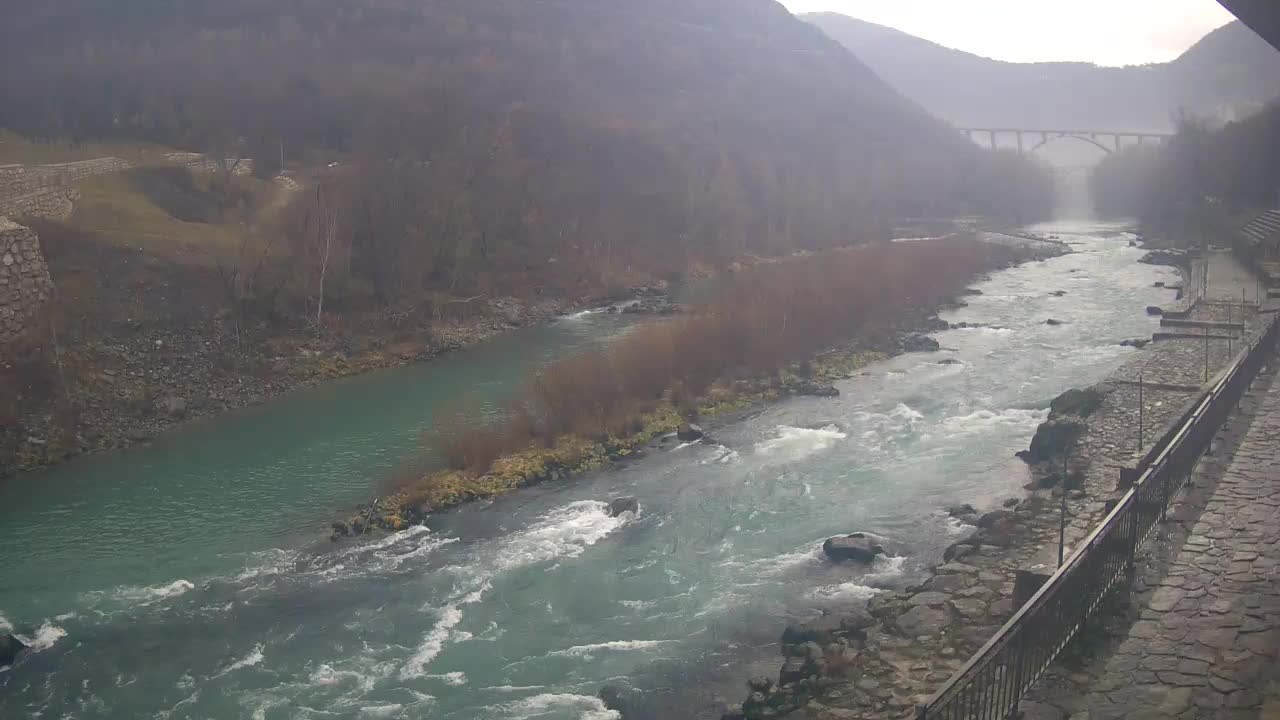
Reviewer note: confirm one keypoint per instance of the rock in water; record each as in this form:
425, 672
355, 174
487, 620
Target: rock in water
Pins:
1053, 440
10, 647
957, 552
813, 389
1154, 310
857, 547
1052, 321
916, 342
623, 700
622, 505
689, 432
1080, 403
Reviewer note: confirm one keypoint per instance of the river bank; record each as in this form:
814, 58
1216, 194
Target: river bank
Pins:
202, 546
130, 387
882, 658
728, 357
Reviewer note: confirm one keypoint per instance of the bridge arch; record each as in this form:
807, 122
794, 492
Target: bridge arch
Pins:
1082, 138
1092, 137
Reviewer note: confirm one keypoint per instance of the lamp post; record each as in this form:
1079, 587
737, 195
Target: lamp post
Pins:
1142, 408
1062, 512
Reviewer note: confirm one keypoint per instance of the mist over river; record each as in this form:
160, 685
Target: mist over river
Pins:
188, 579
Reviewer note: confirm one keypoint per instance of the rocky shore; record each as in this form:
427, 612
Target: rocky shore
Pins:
139, 381
882, 660
443, 490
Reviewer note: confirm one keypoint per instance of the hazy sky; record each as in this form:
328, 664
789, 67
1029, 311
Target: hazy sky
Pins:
1107, 32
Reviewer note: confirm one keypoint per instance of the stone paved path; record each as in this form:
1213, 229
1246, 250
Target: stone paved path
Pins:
1205, 641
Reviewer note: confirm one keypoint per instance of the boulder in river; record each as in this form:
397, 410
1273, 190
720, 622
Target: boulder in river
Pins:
1052, 321
957, 552
915, 342
813, 389
961, 511
689, 432
1154, 310
621, 699
1058, 293
1053, 440
856, 546
1079, 402
10, 648
994, 518
623, 505
1138, 343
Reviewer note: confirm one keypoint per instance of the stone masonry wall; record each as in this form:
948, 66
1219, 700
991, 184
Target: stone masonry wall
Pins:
25, 284
45, 190
198, 162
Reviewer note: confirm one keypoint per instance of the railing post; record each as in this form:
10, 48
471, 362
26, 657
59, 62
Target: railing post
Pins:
1165, 481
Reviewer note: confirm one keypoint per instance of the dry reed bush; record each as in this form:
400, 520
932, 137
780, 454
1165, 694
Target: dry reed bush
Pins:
767, 318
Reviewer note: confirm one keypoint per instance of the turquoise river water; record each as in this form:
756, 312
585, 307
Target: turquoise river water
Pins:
192, 579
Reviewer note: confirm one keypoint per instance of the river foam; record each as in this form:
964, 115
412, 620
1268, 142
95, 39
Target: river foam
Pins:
587, 652
45, 637
585, 707
145, 595
432, 644
796, 443
254, 657
565, 532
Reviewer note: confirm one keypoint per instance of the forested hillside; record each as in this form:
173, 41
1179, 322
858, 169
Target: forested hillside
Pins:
479, 139
1202, 184
1230, 73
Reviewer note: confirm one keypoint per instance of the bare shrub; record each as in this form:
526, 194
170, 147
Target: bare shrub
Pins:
772, 315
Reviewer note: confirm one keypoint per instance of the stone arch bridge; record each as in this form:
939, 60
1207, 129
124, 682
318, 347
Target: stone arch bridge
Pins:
1031, 140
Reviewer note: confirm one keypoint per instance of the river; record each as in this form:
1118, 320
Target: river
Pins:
185, 579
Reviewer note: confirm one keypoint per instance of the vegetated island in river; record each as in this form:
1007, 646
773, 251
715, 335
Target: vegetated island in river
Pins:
768, 334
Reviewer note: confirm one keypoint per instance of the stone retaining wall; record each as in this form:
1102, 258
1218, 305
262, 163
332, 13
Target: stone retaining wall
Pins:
54, 203
25, 284
198, 162
45, 190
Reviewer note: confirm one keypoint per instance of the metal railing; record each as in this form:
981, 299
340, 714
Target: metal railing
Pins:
991, 684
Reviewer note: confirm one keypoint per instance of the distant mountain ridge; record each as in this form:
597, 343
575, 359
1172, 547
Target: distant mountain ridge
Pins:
1228, 74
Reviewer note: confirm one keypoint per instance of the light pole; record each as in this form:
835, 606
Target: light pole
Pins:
1062, 512
1142, 408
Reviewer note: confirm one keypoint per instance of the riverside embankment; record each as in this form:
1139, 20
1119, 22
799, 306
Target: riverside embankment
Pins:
199, 549
881, 661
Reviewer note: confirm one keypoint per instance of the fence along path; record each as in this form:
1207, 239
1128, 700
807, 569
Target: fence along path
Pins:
992, 683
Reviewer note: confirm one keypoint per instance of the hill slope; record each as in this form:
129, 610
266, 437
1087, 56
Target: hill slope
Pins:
558, 126
1230, 72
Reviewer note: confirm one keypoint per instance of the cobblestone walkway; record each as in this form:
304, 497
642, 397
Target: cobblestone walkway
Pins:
1205, 640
